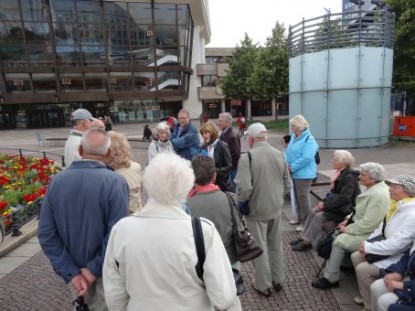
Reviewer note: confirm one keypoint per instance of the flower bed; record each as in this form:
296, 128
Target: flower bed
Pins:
23, 183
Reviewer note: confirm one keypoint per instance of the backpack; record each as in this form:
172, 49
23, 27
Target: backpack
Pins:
317, 155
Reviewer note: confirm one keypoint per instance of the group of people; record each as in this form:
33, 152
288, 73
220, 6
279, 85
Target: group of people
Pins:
147, 261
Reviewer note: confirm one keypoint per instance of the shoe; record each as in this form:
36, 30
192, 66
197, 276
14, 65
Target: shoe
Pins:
299, 228
295, 242
302, 247
294, 222
323, 283
277, 286
267, 293
346, 269
358, 300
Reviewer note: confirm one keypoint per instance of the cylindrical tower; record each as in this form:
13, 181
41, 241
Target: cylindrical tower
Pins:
340, 77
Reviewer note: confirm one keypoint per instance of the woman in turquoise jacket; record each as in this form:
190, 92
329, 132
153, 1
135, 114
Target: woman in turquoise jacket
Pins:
301, 152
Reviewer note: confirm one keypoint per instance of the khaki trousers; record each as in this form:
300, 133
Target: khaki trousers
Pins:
94, 298
366, 274
382, 297
269, 267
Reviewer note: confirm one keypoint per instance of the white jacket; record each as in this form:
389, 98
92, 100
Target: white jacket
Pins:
399, 232
71, 147
150, 264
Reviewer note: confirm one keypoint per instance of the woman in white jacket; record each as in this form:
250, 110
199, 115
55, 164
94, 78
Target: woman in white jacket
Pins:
161, 142
399, 235
151, 256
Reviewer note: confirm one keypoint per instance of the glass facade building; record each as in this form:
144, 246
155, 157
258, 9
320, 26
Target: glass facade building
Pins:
128, 59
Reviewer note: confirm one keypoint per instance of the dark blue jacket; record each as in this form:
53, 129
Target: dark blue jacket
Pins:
81, 205
187, 143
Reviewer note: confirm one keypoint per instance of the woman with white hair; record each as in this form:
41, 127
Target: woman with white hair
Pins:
161, 142
151, 256
300, 155
120, 160
337, 204
371, 207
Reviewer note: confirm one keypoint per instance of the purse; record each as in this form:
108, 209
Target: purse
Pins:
371, 258
246, 247
325, 243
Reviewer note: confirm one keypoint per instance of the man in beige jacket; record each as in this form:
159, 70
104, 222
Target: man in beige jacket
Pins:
262, 178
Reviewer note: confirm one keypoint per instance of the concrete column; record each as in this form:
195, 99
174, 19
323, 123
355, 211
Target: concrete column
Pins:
222, 105
248, 109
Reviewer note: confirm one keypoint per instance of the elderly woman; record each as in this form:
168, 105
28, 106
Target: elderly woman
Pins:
300, 155
161, 142
337, 204
151, 256
371, 207
120, 160
207, 200
219, 151
398, 234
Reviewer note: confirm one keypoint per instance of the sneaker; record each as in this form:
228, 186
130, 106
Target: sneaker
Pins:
295, 242
302, 247
299, 228
358, 300
323, 283
294, 222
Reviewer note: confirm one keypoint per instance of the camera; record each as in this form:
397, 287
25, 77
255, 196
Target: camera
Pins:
80, 304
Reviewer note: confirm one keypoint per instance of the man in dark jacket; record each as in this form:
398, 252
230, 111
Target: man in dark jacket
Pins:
185, 138
233, 141
81, 205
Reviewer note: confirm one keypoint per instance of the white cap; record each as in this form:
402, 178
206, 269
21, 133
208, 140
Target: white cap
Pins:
256, 130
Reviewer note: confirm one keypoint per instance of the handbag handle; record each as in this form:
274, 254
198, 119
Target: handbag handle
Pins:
237, 220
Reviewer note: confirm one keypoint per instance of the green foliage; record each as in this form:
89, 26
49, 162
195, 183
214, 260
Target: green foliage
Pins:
269, 77
235, 83
404, 51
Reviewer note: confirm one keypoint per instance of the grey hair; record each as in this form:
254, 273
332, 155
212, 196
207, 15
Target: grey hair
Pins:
160, 127
168, 178
92, 144
184, 111
227, 116
300, 122
344, 156
375, 170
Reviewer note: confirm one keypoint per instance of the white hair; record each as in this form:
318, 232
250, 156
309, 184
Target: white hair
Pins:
160, 127
374, 170
344, 157
168, 178
95, 141
226, 116
299, 121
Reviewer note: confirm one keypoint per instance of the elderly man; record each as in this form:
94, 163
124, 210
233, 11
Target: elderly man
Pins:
262, 178
233, 141
185, 138
81, 120
82, 204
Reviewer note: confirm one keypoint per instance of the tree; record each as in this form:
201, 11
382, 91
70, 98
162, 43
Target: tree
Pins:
404, 51
269, 77
235, 83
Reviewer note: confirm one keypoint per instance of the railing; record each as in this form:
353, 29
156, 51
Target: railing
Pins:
21, 215
349, 29
57, 158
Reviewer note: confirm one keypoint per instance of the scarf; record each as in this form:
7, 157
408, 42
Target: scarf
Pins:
202, 189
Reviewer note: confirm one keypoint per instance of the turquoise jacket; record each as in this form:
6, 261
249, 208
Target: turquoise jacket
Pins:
300, 156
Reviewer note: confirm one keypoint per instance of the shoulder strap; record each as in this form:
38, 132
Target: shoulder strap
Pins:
383, 227
250, 168
200, 245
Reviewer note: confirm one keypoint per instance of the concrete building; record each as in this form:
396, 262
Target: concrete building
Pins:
132, 59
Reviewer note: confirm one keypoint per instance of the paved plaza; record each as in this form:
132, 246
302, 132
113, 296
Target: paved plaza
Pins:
27, 281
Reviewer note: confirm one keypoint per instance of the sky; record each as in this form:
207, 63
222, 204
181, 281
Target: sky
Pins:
230, 19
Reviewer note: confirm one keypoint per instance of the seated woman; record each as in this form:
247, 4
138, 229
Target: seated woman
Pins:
337, 204
219, 151
150, 262
161, 142
371, 207
396, 288
120, 160
399, 234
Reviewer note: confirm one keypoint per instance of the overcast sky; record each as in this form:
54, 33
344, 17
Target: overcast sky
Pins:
230, 19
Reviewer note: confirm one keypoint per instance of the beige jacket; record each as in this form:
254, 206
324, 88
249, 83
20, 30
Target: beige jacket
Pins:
134, 177
264, 183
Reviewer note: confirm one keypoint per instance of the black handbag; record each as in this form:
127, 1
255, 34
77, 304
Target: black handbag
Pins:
325, 243
371, 258
246, 246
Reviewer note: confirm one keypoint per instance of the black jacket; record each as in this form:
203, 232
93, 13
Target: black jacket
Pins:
234, 144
